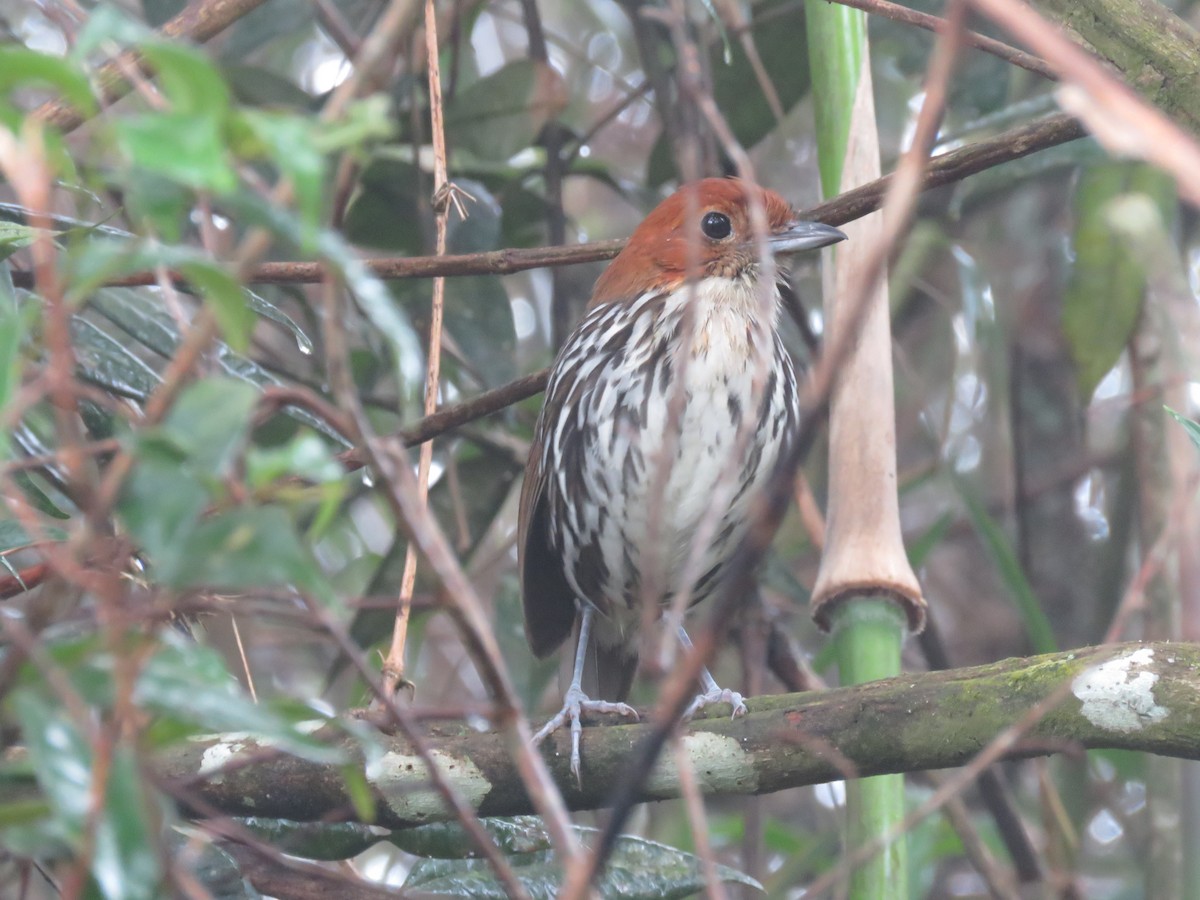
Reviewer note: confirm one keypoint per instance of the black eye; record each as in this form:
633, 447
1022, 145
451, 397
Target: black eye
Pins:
716, 225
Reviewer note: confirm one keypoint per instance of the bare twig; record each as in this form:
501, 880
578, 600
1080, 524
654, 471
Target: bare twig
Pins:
906, 16
393, 664
198, 22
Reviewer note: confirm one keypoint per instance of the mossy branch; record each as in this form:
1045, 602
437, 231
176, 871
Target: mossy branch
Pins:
1154, 49
1125, 696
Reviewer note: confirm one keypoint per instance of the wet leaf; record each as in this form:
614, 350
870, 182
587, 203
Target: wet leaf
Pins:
370, 292
637, 869
106, 361
140, 314
316, 840
212, 867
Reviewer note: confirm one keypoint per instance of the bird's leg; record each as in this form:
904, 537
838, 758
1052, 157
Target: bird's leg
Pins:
713, 692
576, 702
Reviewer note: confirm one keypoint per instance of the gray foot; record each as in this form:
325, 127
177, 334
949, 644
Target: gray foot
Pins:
575, 703
717, 695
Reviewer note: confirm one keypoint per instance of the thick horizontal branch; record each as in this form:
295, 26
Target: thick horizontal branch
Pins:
945, 169
1154, 50
1126, 696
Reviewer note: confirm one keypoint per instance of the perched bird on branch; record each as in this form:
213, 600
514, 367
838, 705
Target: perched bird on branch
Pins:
666, 411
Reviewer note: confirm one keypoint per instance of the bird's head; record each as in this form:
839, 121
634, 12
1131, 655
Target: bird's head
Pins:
708, 225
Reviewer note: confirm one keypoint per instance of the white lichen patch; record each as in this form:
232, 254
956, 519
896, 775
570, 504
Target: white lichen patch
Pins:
216, 756
720, 765
403, 780
1118, 695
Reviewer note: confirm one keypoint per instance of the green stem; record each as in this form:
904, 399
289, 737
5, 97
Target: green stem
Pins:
837, 41
867, 634
867, 630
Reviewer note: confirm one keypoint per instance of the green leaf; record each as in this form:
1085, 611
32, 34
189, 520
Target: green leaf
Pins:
365, 120
306, 456
273, 19
258, 86
637, 869
125, 860
20, 65
14, 536
502, 114
108, 24
186, 148
209, 422
1192, 429
37, 492
190, 82
479, 317
160, 203
384, 212
159, 507
289, 142
22, 813
448, 840
12, 332
14, 237
188, 682
1104, 294
1037, 625
247, 548
235, 318
735, 86
61, 758
372, 294
923, 546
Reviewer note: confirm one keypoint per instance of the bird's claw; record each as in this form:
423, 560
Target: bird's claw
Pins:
575, 703
720, 695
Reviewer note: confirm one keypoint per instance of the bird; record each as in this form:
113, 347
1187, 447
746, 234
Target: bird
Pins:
675, 379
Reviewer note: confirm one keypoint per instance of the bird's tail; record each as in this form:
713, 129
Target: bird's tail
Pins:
611, 662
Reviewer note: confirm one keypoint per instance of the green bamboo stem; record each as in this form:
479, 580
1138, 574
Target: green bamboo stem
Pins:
868, 631
867, 634
837, 41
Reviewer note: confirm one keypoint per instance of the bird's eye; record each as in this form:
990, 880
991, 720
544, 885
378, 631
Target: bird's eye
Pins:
716, 226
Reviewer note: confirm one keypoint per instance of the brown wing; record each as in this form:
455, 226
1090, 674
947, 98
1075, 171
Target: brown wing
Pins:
546, 597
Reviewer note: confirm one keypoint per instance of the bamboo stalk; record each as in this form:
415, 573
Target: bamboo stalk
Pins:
866, 592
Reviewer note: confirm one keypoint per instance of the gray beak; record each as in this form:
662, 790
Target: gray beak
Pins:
804, 236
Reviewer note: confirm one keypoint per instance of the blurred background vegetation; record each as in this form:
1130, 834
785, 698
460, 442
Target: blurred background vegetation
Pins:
1043, 312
